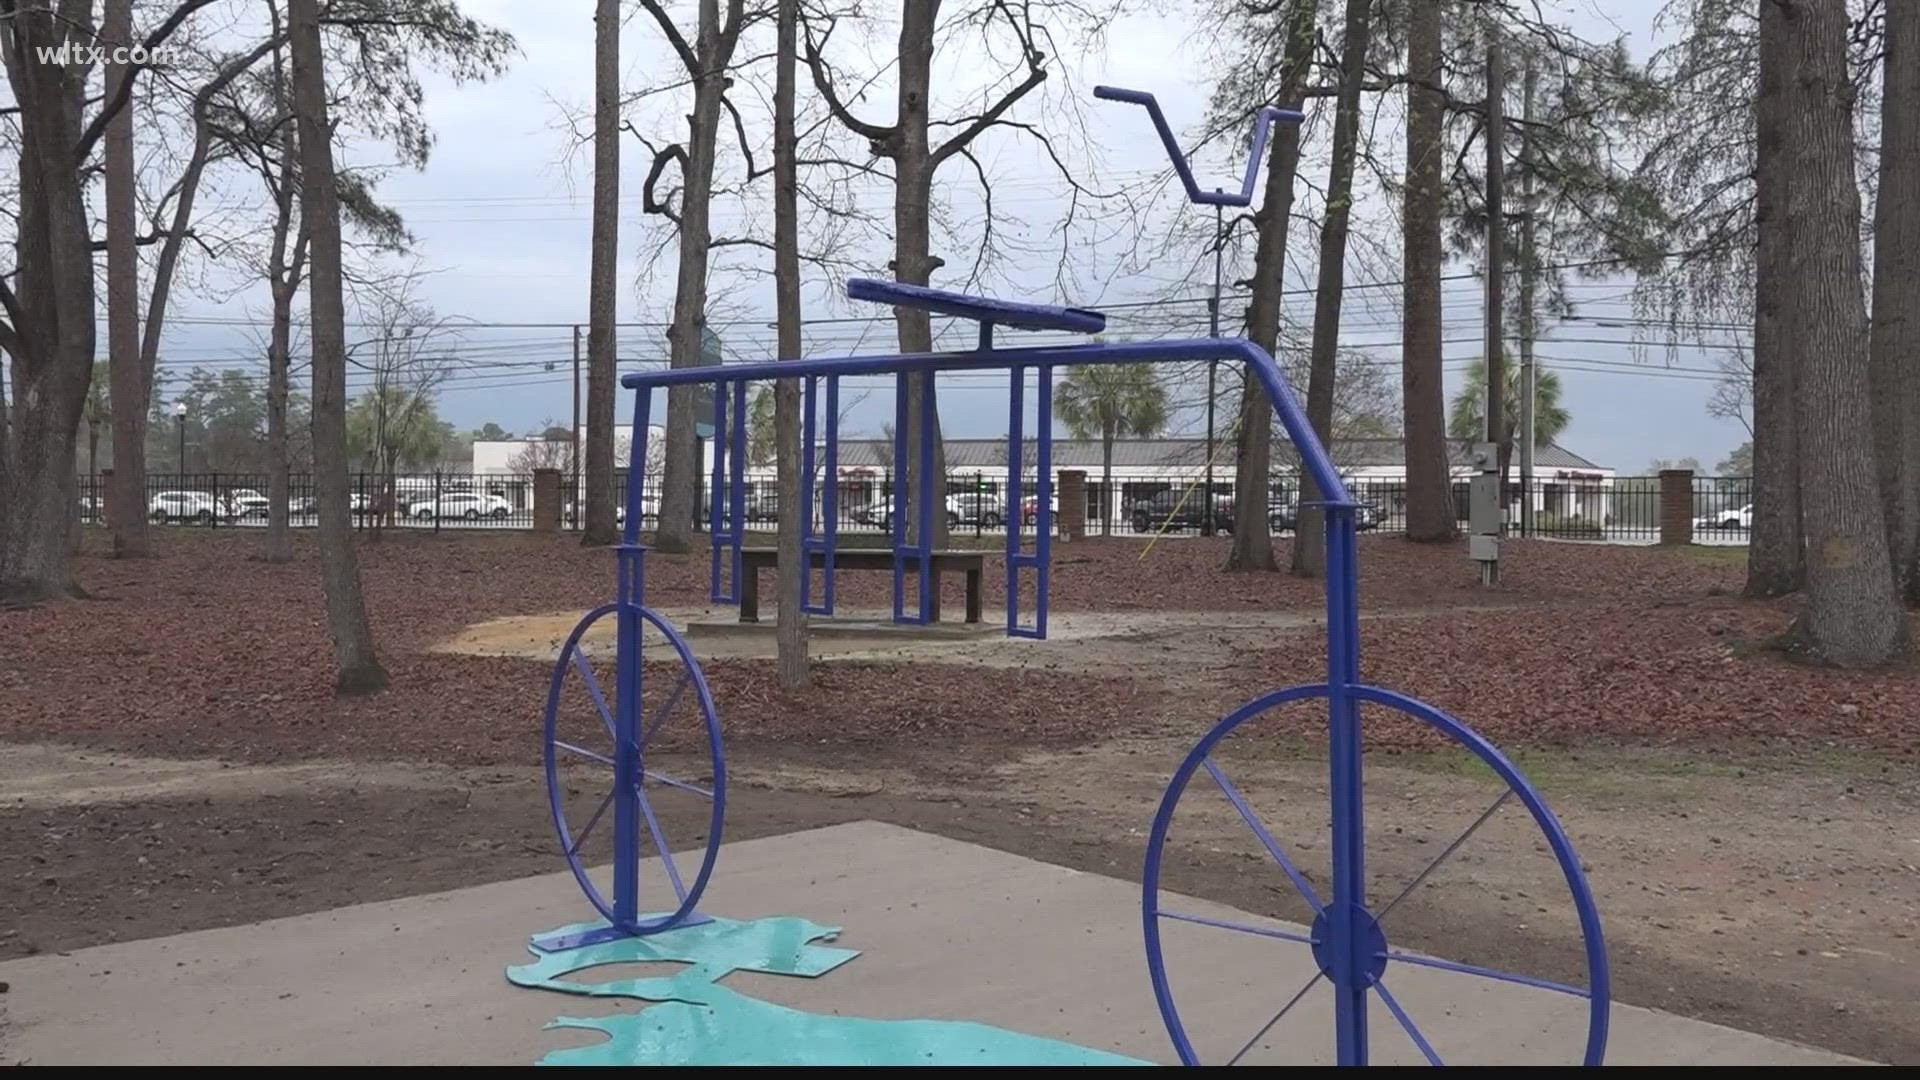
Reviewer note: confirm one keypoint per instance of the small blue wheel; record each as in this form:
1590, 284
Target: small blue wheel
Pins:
681, 776
1379, 957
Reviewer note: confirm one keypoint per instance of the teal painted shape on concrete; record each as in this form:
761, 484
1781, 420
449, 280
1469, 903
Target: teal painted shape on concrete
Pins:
695, 1021
733, 1029
781, 945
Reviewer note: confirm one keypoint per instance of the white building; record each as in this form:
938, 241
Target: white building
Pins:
1565, 484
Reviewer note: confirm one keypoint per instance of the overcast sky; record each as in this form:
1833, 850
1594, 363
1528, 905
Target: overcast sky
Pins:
501, 218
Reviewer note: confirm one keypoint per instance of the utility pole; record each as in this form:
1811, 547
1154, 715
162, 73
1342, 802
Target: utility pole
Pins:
1487, 503
579, 504
1528, 85
1213, 366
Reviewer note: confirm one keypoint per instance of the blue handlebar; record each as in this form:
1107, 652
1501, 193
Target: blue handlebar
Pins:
1216, 197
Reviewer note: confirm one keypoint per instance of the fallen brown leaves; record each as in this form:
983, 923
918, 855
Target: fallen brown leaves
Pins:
207, 651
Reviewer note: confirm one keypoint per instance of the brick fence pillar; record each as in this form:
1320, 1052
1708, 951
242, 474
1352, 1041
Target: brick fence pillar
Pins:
546, 500
1073, 504
1676, 506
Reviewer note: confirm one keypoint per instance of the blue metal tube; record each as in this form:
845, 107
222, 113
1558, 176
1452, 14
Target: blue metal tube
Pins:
809, 401
1261, 127
1313, 456
1043, 508
932, 491
717, 492
1016, 467
899, 496
831, 523
1344, 761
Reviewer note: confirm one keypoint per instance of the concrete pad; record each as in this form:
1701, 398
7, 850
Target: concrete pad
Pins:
948, 930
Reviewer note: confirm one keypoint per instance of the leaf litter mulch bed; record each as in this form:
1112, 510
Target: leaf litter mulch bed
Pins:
206, 650
1626, 674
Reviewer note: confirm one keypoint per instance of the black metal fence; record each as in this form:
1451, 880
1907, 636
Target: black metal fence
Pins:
1624, 509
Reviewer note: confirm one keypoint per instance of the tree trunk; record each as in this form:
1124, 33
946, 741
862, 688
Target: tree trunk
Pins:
48, 326
790, 631
1853, 616
1422, 386
284, 267
913, 261
1894, 379
1252, 538
713, 51
1310, 538
598, 522
126, 376
279, 547
356, 668
1776, 551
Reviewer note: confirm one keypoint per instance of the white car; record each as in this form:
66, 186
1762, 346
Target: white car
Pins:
246, 502
461, 504
1727, 519
183, 506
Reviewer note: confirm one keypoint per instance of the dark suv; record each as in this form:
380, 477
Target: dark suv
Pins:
1179, 509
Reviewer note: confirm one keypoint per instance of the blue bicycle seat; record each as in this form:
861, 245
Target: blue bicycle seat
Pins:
979, 308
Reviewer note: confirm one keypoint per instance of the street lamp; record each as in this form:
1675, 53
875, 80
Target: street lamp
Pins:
180, 417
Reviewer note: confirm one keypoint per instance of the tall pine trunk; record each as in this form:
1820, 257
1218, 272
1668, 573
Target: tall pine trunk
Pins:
790, 631
1252, 537
1853, 616
356, 668
48, 327
126, 375
1310, 538
1776, 558
1894, 378
913, 261
712, 51
598, 524
284, 264
1422, 389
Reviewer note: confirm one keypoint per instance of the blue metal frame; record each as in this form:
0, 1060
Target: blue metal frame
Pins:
1217, 197
1347, 940
1040, 560
826, 542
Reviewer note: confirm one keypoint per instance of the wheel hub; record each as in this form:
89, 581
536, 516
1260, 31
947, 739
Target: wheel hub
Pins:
1364, 959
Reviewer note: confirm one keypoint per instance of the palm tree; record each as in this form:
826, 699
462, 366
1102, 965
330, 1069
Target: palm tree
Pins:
1467, 419
1106, 401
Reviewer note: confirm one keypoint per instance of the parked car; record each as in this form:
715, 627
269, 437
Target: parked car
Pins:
246, 502
1741, 518
1178, 509
183, 506
1285, 517
1030, 509
572, 511
980, 508
461, 504
879, 515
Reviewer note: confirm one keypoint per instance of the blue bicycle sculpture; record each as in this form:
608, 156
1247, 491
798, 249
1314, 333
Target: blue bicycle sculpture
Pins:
661, 708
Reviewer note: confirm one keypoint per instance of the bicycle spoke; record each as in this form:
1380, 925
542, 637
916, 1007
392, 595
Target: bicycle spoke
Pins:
660, 843
1266, 838
591, 822
584, 752
1406, 1021
1487, 973
1245, 928
666, 710
1444, 855
593, 688
681, 784
1284, 1009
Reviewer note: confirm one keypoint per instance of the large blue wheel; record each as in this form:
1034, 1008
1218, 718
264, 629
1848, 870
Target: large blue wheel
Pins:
1369, 923
681, 772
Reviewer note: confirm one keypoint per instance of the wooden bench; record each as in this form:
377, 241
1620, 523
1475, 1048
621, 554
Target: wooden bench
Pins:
972, 562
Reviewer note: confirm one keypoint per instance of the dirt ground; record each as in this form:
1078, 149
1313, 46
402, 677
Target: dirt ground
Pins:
1754, 841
